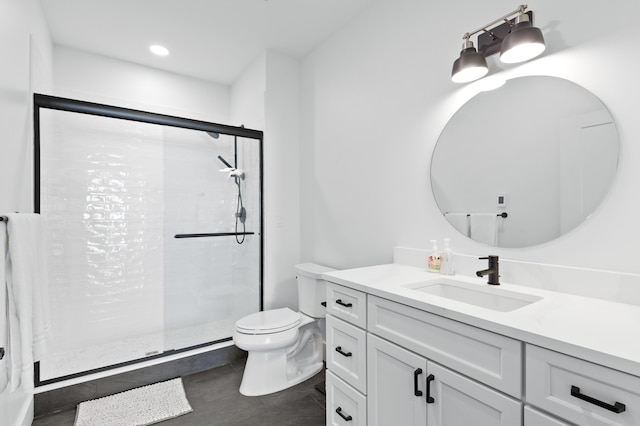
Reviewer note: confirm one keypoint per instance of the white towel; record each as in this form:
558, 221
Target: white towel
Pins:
27, 297
4, 319
484, 228
460, 221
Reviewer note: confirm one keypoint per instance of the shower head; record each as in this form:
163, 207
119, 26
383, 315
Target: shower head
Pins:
225, 162
214, 135
233, 172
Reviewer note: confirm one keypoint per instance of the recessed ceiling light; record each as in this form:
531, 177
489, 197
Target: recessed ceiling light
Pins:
159, 50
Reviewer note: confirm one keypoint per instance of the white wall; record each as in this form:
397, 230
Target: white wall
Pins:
378, 93
281, 179
26, 52
247, 95
95, 78
25, 49
267, 96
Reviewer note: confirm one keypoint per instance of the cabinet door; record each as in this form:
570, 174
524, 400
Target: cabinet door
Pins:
460, 401
396, 382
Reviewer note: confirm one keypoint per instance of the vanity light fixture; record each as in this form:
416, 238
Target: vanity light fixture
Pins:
515, 38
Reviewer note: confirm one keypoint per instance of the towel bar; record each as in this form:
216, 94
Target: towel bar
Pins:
503, 215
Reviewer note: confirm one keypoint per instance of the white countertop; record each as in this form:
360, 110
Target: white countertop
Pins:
603, 332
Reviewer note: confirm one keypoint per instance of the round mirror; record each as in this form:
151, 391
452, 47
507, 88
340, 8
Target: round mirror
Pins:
525, 163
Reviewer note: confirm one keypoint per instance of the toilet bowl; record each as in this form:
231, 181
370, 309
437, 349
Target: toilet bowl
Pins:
284, 347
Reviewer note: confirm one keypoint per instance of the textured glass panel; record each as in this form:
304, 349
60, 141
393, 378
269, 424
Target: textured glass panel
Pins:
102, 199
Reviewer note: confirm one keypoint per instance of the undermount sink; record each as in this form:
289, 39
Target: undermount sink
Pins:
484, 296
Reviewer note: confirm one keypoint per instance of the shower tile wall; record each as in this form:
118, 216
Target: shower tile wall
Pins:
102, 199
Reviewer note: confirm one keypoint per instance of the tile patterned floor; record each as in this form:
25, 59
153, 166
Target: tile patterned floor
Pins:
215, 399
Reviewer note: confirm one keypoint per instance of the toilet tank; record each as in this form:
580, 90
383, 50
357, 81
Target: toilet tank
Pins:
312, 289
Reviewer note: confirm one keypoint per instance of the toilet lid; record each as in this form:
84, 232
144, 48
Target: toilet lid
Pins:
271, 321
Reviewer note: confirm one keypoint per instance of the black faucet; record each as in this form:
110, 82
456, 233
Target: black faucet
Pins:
493, 271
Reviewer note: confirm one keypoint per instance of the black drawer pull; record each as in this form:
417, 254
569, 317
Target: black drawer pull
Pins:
416, 391
343, 353
617, 407
347, 418
346, 305
430, 378
324, 304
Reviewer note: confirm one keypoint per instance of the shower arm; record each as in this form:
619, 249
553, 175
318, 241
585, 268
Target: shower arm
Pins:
225, 162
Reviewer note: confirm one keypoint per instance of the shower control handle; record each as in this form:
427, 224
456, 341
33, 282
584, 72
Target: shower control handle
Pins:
341, 303
343, 353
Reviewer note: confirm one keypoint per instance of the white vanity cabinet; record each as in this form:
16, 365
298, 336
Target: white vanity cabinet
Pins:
407, 389
419, 359
421, 369
346, 383
414, 361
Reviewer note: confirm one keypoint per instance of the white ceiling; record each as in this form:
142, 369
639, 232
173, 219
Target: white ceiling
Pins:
213, 40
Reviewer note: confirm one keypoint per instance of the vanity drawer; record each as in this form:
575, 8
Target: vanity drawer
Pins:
580, 391
487, 357
345, 405
533, 417
347, 304
347, 352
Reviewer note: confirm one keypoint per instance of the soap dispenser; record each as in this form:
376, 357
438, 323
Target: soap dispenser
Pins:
434, 258
446, 261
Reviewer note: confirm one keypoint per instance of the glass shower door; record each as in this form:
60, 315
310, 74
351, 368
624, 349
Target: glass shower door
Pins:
101, 197
154, 240
212, 234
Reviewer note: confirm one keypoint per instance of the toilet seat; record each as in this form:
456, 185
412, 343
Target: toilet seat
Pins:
268, 322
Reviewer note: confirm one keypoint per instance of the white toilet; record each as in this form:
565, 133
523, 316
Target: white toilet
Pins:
285, 347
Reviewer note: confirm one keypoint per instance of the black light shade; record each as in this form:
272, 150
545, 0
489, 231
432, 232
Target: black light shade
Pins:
523, 43
470, 66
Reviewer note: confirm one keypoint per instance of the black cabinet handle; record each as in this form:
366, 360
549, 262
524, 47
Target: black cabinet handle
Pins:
324, 304
430, 378
346, 305
343, 353
617, 407
347, 418
416, 391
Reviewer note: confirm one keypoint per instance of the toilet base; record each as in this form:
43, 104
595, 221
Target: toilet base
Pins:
271, 371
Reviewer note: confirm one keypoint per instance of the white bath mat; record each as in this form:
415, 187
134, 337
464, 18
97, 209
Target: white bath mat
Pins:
141, 406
